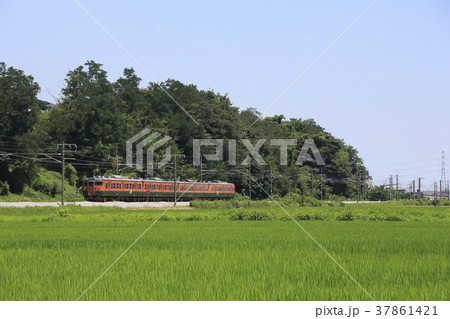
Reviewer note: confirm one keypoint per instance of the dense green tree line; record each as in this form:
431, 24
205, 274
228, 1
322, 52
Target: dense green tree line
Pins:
99, 116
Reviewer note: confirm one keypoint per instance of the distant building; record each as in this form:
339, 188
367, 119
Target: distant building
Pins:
46, 106
400, 190
430, 195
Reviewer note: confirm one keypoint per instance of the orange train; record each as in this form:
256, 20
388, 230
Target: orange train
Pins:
114, 187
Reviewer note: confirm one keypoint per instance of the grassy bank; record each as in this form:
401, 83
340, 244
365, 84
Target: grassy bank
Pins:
362, 212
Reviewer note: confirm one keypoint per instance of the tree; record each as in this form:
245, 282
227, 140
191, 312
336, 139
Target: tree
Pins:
90, 113
378, 193
19, 110
19, 107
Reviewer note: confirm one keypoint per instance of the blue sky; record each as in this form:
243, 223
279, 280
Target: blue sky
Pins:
383, 88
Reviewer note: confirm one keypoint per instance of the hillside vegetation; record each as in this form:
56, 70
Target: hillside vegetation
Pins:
99, 116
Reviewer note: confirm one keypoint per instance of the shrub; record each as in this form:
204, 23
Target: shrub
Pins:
243, 214
393, 218
63, 212
303, 216
4, 188
346, 216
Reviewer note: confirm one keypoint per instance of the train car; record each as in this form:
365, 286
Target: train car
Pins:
114, 187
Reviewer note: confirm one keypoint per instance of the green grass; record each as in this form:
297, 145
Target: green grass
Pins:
205, 255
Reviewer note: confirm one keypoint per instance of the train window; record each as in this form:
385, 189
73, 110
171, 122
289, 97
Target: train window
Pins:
98, 183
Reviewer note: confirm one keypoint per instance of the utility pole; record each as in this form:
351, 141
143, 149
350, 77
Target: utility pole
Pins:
358, 186
321, 184
443, 178
175, 178
435, 193
62, 175
414, 189
448, 190
365, 189
289, 192
249, 181
201, 169
359, 177
396, 188
390, 187
420, 189
116, 161
271, 181
440, 190
71, 148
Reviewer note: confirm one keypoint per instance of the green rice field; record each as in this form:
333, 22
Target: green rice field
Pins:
395, 253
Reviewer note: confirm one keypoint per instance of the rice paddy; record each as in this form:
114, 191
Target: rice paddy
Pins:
210, 254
